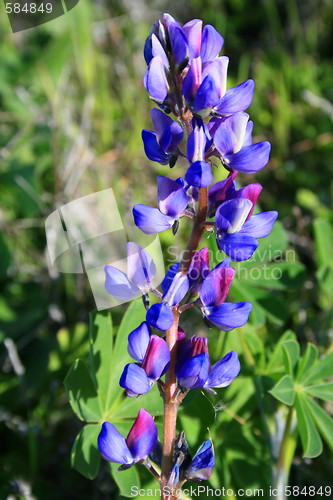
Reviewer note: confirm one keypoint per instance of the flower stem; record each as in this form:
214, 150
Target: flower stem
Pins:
170, 405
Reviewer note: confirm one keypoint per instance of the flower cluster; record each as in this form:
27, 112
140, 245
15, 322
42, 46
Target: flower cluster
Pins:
198, 118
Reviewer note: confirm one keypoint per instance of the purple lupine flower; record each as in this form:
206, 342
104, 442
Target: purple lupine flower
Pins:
141, 271
175, 286
199, 173
193, 368
153, 356
237, 229
155, 80
172, 202
214, 290
203, 462
198, 270
233, 140
162, 145
140, 441
220, 192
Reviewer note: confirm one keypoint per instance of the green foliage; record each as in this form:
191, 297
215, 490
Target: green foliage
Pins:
95, 395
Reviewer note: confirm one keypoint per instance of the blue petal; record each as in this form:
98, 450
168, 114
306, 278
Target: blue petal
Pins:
138, 341
147, 51
217, 69
141, 269
229, 137
237, 246
236, 99
215, 287
162, 127
177, 289
260, 225
157, 358
152, 148
196, 144
135, 380
193, 31
118, 284
167, 280
112, 445
228, 315
142, 438
250, 159
206, 97
199, 174
224, 371
155, 80
192, 80
151, 220
179, 44
194, 372
211, 44
231, 215
172, 197
157, 50
203, 462
160, 316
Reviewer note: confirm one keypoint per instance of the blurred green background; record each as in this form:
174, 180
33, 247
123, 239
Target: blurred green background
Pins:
72, 110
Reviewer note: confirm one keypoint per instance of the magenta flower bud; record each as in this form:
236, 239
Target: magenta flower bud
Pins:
140, 442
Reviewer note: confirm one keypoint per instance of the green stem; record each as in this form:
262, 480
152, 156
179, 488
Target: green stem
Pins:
287, 446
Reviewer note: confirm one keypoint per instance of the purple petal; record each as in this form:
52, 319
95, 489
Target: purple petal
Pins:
260, 225
162, 127
196, 144
147, 51
157, 50
194, 372
211, 44
206, 97
224, 371
157, 358
169, 20
135, 380
177, 289
151, 220
218, 70
160, 316
178, 41
172, 198
236, 99
199, 174
192, 80
229, 137
118, 284
231, 215
228, 315
198, 270
248, 134
112, 445
193, 31
251, 192
167, 280
237, 246
250, 159
155, 80
142, 438
220, 192
203, 462
138, 341
152, 148
176, 135
216, 286
141, 269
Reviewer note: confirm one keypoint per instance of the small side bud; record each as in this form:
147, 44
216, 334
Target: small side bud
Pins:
175, 227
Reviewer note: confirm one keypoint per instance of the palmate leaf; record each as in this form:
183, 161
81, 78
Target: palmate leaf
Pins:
321, 391
307, 361
85, 456
125, 479
312, 445
284, 390
323, 421
291, 354
320, 370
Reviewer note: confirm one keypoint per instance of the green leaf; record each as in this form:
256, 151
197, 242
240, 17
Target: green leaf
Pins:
323, 421
85, 456
291, 352
284, 390
322, 369
129, 407
101, 346
321, 391
312, 445
276, 362
323, 241
82, 393
307, 361
126, 479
